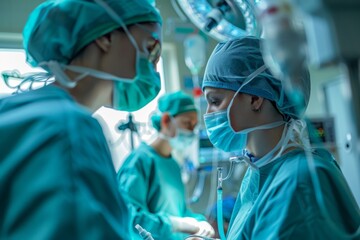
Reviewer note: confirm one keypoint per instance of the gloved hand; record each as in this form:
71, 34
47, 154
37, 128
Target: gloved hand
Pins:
205, 229
184, 224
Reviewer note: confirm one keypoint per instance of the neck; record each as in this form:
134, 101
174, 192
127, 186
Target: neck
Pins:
162, 147
261, 142
90, 92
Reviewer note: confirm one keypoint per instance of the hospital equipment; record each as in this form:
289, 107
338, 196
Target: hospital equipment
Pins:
143, 233
223, 19
132, 126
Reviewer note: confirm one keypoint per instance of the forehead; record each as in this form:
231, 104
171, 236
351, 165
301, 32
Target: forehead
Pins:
211, 90
192, 116
150, 29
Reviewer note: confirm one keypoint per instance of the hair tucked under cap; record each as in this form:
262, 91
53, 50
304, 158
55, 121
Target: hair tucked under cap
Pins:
58, 29
233, 61
174, 104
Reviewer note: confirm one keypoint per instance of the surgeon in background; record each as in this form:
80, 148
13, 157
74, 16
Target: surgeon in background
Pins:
248, 112
57, 180
152, 177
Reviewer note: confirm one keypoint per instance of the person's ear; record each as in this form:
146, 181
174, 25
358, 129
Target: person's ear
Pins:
104, 42
165, 120
256, 103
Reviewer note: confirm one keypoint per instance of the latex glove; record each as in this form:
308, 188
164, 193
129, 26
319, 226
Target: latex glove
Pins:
186, 225
205, 229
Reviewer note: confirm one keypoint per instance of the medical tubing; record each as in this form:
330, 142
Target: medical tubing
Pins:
143, 233
231, 169
220, 220
213, 182
219, 206
199, 189
30, 79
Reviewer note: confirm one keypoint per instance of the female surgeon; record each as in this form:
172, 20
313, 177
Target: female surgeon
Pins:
57, 179
247, 109
152, 177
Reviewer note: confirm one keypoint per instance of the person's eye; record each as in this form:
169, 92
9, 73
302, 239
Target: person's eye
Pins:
154, 50
214, 101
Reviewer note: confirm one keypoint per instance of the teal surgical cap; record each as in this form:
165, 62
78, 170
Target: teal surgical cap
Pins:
58, 29
233, 61
174, 104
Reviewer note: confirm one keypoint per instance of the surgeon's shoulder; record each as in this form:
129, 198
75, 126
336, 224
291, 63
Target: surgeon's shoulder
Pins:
298, 164
141, 157
49, 108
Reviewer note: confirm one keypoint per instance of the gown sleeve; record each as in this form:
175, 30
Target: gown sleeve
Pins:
137, 178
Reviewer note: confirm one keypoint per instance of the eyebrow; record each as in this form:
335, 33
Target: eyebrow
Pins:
153, 34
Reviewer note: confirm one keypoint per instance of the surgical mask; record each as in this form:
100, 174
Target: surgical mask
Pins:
182, 140
129, 94
223, 136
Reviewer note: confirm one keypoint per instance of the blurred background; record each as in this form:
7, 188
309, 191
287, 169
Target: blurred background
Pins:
322, 34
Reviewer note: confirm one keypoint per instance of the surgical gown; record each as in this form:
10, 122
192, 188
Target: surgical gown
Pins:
57, 180
278, 201
156, 190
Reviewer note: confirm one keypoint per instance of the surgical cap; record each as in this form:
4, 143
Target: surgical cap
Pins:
174, 104
58, 29
233, 61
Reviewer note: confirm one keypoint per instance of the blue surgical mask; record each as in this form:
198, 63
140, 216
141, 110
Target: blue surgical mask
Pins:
131, 96
182, 140
223, 136
128, 94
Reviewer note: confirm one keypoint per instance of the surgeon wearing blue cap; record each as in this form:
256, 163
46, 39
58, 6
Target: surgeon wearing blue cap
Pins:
152, 176
249, 113
57, 179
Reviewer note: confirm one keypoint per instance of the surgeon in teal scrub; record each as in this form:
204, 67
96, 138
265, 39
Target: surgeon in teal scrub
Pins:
152, 177
57, 179
248, 113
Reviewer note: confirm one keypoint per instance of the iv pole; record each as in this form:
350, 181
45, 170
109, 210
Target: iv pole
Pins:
132, 126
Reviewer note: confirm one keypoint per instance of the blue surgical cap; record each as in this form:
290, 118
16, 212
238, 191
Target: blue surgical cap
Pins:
174, 104
233, 61
58, 29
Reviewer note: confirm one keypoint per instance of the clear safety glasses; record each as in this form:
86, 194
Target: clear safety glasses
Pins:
155, 46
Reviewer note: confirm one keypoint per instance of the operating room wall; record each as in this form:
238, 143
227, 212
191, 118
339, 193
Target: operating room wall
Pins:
14, 14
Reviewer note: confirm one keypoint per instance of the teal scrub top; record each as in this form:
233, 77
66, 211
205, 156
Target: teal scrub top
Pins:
57, 180
278, 201
155, 189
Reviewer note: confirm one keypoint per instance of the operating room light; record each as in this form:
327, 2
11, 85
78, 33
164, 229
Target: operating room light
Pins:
198, 11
